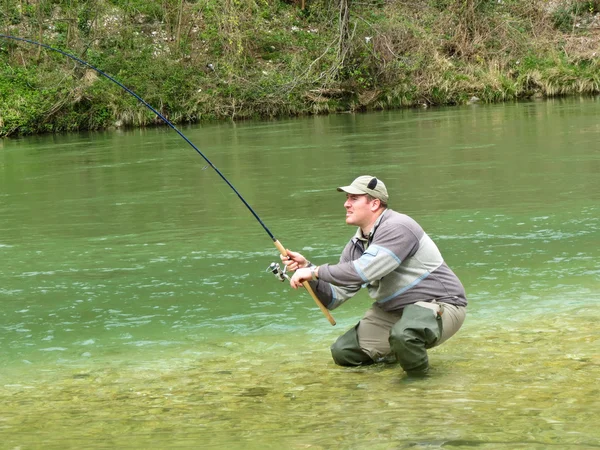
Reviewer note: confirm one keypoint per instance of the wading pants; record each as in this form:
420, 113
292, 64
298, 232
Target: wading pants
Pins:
403, 336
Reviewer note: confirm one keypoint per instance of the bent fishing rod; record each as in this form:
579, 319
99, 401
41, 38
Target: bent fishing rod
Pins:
278, 245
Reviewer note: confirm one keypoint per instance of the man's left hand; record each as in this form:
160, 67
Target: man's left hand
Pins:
300, 276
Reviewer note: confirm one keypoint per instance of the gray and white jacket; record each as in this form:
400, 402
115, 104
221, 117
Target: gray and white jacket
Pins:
398, 263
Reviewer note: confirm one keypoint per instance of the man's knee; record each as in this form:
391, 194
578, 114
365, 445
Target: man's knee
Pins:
410, 338
346, 350
410, 350
399, 339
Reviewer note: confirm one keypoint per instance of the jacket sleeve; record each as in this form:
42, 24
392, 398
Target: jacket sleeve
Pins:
332, 295
389, 248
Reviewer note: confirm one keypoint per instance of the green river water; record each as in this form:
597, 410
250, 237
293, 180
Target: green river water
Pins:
136, 311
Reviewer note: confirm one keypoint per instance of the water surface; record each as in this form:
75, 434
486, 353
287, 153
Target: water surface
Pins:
137, 312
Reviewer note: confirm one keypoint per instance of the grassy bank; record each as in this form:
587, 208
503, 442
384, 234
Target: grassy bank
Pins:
236, 59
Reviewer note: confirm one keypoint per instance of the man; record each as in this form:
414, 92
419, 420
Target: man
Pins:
419, 301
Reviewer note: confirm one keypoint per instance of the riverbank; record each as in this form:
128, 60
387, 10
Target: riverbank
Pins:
210, 60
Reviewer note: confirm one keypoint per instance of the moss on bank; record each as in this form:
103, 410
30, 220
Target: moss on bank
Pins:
202, 60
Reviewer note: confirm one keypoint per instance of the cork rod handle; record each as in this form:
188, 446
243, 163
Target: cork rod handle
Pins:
307, 286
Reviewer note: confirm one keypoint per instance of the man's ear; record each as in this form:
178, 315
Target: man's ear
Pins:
375, 204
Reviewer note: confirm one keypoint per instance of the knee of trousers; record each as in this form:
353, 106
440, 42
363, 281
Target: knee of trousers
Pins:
417, 331
404, 341
417, 324
346, 350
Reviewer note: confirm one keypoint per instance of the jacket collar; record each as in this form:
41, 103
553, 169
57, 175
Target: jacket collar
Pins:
359, 236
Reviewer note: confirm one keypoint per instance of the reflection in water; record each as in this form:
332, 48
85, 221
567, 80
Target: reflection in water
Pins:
137, 311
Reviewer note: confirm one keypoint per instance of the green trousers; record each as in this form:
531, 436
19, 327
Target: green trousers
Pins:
402, 336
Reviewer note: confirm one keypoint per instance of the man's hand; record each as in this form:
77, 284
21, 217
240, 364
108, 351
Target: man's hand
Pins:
294, 261
300, 276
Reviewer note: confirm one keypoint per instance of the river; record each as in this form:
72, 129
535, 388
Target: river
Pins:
137, 311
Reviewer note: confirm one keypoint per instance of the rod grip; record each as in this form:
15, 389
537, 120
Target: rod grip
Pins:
307, 286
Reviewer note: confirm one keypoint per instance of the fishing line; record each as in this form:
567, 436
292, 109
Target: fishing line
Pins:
147, 105
279, 246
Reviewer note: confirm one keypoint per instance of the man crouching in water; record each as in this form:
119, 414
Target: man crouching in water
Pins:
419, 301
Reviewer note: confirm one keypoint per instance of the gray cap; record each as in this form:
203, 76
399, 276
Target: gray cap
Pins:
367, 184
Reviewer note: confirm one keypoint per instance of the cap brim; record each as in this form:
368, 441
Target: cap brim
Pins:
350, 190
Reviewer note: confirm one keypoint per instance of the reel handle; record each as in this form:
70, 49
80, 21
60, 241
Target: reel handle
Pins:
307, 286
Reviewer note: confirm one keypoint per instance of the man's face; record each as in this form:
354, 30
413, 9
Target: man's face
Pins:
359, 211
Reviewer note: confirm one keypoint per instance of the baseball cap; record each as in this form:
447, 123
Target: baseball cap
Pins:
366, 184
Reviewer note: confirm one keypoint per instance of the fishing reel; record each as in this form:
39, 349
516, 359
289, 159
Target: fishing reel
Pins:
275, 269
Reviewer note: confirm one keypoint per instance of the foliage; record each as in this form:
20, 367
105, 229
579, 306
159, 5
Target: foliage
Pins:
231, 59
567, 14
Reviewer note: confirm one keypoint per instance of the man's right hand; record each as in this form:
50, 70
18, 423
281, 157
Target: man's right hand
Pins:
294, 261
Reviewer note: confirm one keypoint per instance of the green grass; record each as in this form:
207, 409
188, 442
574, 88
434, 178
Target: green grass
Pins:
272, 59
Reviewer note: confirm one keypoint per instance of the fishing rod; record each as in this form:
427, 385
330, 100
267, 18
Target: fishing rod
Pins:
277, 244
